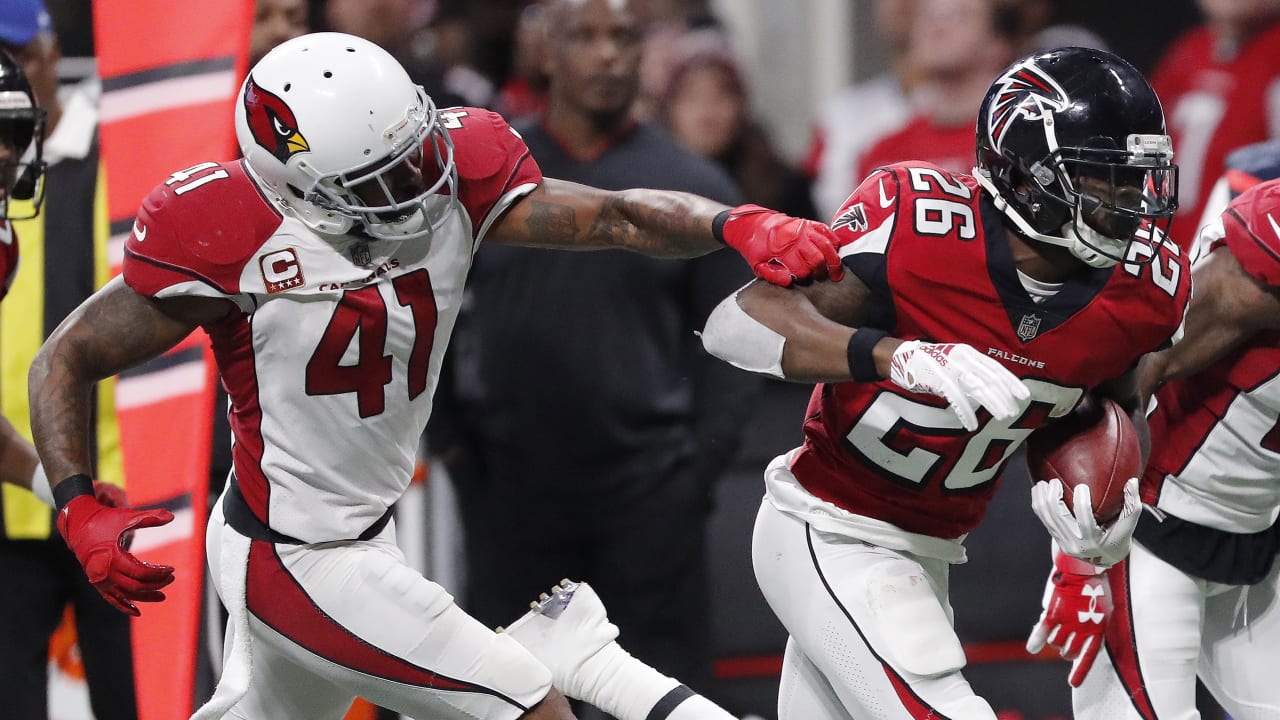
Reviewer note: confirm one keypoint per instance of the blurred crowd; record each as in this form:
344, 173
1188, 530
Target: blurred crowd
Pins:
938, 57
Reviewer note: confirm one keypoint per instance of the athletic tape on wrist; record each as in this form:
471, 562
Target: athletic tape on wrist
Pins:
862, 365
71, 488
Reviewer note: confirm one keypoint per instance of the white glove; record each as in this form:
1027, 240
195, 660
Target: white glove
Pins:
962, 376
1078, 535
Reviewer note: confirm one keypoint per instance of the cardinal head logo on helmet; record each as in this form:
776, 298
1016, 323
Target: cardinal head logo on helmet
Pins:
273, 124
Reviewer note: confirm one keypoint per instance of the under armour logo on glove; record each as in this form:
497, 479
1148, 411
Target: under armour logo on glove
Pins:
1077, 606
1096, 594
779, 248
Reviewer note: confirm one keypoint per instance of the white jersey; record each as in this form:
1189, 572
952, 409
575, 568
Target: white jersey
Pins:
1215, 457
335, 352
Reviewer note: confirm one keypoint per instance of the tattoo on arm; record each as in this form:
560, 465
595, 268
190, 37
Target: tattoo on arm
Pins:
114, 330
552, 223
569, 216
611, 227
657, 223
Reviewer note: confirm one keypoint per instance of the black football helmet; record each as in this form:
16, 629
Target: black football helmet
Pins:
1072, 148
22, 134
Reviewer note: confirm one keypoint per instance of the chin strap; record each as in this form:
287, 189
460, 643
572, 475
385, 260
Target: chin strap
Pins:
1076, 246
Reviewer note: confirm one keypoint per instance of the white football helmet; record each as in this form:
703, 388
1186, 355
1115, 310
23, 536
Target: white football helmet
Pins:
333, 129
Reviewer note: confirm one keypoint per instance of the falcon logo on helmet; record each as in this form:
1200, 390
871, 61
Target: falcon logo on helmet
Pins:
1026, 91
273, 123
1072, 148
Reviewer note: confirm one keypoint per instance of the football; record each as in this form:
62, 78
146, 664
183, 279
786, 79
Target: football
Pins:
1095, 445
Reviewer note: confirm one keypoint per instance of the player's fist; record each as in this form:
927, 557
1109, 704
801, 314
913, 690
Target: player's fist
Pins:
962, 376
1077, 606
779, 248
96, 534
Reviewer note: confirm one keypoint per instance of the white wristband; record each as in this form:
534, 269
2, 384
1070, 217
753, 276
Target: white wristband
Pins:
40, 486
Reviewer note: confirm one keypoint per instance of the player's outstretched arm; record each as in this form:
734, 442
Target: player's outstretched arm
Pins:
114, 329
568, 216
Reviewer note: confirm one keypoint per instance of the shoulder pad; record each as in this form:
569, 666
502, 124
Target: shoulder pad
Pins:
491, 158
202, 223
1251, 229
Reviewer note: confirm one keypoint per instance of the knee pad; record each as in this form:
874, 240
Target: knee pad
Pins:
911, 623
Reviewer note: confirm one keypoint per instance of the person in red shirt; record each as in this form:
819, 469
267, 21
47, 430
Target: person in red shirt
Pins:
882, 104
957, 46
1218, 83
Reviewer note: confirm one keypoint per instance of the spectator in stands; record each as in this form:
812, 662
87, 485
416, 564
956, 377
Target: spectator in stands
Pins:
667, 23
275, 21
705, 106
65, 248
854, 119
957, 47
1220, 85
395, 25
524, 94
589, 427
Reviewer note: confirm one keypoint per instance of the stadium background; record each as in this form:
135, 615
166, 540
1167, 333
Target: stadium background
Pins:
796, 53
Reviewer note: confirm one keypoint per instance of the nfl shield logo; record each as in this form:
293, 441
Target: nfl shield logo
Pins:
360, 254
1029, 326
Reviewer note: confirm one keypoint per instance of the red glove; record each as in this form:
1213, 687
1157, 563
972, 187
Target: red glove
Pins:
95, 533
1077, 605
779, 248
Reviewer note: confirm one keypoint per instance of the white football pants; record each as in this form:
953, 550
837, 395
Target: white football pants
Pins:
1169, 627
871, 628
328, 622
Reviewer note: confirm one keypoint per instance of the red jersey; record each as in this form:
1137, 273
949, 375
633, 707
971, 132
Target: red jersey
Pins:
8, 256
932, 248
1214, 105
950, 147
1215, 436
